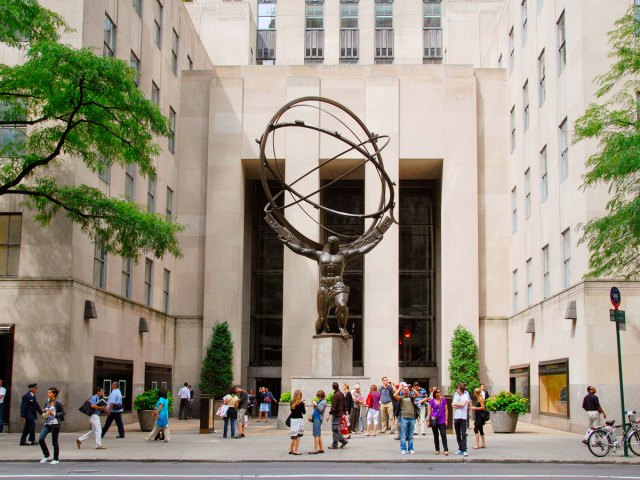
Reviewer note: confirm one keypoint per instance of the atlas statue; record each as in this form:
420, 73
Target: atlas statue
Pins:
340, 248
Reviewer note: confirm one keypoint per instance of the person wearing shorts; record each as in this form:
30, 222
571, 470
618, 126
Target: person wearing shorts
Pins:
373, 409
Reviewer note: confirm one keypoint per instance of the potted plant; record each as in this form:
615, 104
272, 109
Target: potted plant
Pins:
505, 407
284, 410
145, 404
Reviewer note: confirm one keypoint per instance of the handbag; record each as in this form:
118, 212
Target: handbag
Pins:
287, 422
86, 408
222, 411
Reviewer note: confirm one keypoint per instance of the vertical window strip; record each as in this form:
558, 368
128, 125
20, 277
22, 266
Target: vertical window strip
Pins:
544, 180
514, 210
527, 193
100, 265
525, 103
165, 291
529, 284
157, 20
175, 43
542, 92
524, 18
562, 43
10, 240
512, 51
545, 272
169, 204
148, 282
566, 257
564, 151
514, 289
109, 46
172, 130
134, 62
127, 267
512, 119
151, 195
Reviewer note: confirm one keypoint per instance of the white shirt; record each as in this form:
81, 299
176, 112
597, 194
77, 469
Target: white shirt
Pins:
3, 392
460, 412
184, 393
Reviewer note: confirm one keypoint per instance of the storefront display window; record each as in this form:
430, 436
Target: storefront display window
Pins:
554, 387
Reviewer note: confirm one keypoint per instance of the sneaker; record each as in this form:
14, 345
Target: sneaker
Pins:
55, 462
44, 460
78, 443
465, 454
101, 447
459, 452
412, 452
403, 452
396, 438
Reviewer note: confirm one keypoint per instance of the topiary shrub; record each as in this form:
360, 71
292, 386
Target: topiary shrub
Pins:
329, 397
147, 400
463, 362
216, 374
285, 397
507, 402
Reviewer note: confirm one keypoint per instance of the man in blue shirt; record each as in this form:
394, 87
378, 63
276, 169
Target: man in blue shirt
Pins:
114, 410
387, 417
98, 406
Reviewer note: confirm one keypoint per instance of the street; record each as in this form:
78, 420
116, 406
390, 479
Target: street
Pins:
314, 470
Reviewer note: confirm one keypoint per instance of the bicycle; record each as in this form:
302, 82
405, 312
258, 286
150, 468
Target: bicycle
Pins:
602, 440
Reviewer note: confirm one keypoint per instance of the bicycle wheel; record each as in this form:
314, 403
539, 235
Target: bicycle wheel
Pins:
633, 440
599, 443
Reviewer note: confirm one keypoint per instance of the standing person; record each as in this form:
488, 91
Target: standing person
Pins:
484, 391
252, 402
348, 405
460, 406
185, 396
53, 413
114, 411
231, 400
480, 419
271, 400
420, 401
407, 418
161, 413
318, 413
336, 412
263, 410
98, 405
591, 405
29, 409
243, 403
3, 393
373, 409
386, 406
438, 416
191, 394
297, 422
358, 401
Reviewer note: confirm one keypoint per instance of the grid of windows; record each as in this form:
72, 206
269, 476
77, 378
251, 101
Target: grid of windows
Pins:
109, 46
514, 290
175, 43
524, 20
151, 195
564, 150
527, 193
529, 284
172, 130
349, 33
514, 210
562, 44
99, 265
566, 257
542, 92
157, 22
134, 62
544, 180
432, 29
512, 51
545, 272
127, 270
314, 30
384, 31
10, 238
266, 41
165, 290
130, 182
148, 282
525, 104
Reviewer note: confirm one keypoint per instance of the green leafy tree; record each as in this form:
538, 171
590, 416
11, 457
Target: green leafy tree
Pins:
463, 363
216, 374
73, 103
614, 239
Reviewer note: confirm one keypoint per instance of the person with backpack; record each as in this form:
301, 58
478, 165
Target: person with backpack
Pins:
53, 414
98, 406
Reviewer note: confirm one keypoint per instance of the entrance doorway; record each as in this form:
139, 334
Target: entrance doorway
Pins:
6, 366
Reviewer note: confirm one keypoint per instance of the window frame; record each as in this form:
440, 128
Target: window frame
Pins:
544, 175
166, 286
152, 185
561, 33
148, 282
99, 265
158, 13
514, 291
525, 105
563, 149
110, 36
527, 193
524, 18
175, 49
529, 273
171, 139
126, 287
546, 275
542, 75
13, 243
566, 257
514, 209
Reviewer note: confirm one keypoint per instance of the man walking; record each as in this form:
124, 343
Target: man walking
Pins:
3, 392
98, 405
185, 397
460, 404
114, 411
336, 413
591, 405
29, 411
386, 406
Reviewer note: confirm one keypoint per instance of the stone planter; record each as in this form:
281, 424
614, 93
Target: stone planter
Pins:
146, 419
284, 410
503, 422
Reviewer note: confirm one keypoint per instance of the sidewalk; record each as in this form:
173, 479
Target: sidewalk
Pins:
264, 443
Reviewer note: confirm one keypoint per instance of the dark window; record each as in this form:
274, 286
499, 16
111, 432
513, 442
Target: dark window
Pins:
157, 376
267, 254
266, 41
109, 370
520, 381
417, 274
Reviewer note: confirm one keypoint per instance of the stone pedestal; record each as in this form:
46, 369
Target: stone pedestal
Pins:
332, 356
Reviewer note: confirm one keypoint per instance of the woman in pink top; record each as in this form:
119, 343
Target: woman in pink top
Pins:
373, 402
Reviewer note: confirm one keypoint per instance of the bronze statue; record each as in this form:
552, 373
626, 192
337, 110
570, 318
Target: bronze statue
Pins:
332, 260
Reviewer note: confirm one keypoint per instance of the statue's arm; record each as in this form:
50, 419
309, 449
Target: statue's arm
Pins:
291, 242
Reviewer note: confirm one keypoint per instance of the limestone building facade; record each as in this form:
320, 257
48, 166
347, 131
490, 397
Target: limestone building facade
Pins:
478, 99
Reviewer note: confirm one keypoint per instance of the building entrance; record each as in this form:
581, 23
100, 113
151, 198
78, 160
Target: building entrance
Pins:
6, 367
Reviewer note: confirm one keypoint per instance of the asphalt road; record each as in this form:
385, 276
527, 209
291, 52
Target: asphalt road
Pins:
315, 470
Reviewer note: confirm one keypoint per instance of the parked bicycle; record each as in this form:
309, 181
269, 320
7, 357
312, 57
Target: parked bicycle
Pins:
602, 440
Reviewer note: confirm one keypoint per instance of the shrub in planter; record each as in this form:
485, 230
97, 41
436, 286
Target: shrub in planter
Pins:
145, 403
506, 408
285, 397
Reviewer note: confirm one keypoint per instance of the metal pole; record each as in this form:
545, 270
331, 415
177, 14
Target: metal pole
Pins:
626, 449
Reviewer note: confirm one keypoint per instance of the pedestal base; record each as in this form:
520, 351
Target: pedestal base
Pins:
332, 355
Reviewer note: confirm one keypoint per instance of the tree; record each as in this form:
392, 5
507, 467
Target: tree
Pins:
614, 239
463, 363
216, 374
66, 103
